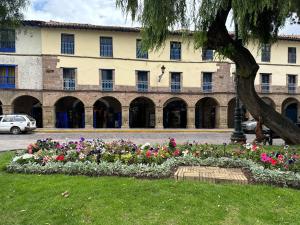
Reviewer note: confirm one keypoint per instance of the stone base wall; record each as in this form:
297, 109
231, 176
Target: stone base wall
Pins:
48, 100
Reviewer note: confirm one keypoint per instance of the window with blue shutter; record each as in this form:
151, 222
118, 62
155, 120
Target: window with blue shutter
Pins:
106, 47
207, 54
67, 44
140, 53
175, 50
7, 76
107, 80
7, 40
207, 82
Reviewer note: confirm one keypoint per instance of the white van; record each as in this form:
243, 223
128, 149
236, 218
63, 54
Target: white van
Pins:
16, 124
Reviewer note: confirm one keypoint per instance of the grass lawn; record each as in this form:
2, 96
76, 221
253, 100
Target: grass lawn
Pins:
33, 199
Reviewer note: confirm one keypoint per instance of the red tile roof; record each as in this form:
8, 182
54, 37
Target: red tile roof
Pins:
64, 25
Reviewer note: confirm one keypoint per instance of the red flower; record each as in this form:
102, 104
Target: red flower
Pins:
273, 162
148, 154
60, 158
176, 152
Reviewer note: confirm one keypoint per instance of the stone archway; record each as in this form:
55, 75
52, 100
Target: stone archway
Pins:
1, 110
206, 113
231, 111
290, 109
175, 113
69, 113
142, 113
31, 106
107, 113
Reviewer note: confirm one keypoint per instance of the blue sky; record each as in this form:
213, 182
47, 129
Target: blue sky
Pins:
102, 12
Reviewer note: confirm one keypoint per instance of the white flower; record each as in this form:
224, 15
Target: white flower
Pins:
145, 145
81, 156
27, 156
248, 146
16, 158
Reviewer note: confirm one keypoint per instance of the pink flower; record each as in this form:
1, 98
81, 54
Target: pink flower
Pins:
264, 157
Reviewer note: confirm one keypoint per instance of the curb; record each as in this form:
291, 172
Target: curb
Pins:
129, 131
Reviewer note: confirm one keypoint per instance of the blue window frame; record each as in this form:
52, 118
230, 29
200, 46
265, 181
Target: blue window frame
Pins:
175, 82
7, 76
175, 50
292, 84
7, 40
106, 47
107, 80
265, 82
292, 55
266, 53
69, 79
142, 81
140, 54
207, 82
67, 44
207, 54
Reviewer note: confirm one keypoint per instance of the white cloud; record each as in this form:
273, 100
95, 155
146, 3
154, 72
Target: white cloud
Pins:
102, 12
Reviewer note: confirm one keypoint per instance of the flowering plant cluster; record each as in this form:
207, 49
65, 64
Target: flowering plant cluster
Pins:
96, 151
285, 158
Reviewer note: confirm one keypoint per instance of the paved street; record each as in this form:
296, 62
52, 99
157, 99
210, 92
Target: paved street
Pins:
12, 142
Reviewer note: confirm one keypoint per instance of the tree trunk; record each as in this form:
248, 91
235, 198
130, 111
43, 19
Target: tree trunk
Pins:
272, 119
218, 38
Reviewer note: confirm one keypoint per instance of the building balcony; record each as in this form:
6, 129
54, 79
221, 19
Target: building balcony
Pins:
265, 88
142, 86
292, 88
69, 84
175, 87
207, 87
107, 85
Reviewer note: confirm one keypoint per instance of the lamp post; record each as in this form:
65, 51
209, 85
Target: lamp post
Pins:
238, 135
163, 68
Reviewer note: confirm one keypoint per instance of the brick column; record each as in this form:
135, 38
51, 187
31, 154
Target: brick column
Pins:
89, 117
159, 117
7, 109
191, 117
222, 117
278, 108
48, 117
125, 116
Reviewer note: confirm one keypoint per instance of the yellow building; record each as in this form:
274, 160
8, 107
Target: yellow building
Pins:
79, 75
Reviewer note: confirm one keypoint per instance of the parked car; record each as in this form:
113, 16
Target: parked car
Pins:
16, 124
250, 125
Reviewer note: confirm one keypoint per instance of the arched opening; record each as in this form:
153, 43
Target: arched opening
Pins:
107, 113
69, 113
175, 113
290, 109
1, 110
142, 113
31, 106
231, 111
269, 102
206, 113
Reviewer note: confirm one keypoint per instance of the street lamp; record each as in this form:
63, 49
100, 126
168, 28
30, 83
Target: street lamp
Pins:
238, 135
163, 68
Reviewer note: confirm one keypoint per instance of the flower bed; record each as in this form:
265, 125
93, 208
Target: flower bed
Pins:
124, 158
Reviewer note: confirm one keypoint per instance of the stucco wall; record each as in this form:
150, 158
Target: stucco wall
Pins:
28, 41
29, 70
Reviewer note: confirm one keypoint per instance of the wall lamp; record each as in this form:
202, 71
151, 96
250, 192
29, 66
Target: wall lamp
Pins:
163, 68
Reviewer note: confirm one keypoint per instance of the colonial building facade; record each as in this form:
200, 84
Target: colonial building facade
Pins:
83, 76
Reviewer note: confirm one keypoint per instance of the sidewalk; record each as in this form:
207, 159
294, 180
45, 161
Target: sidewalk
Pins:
92, 130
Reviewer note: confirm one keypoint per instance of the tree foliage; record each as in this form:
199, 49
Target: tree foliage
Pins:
258, 19
11, 12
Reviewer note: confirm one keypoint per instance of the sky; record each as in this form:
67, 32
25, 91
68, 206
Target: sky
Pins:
98, 12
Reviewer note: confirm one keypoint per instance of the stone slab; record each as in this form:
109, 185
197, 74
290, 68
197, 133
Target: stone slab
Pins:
211, 174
